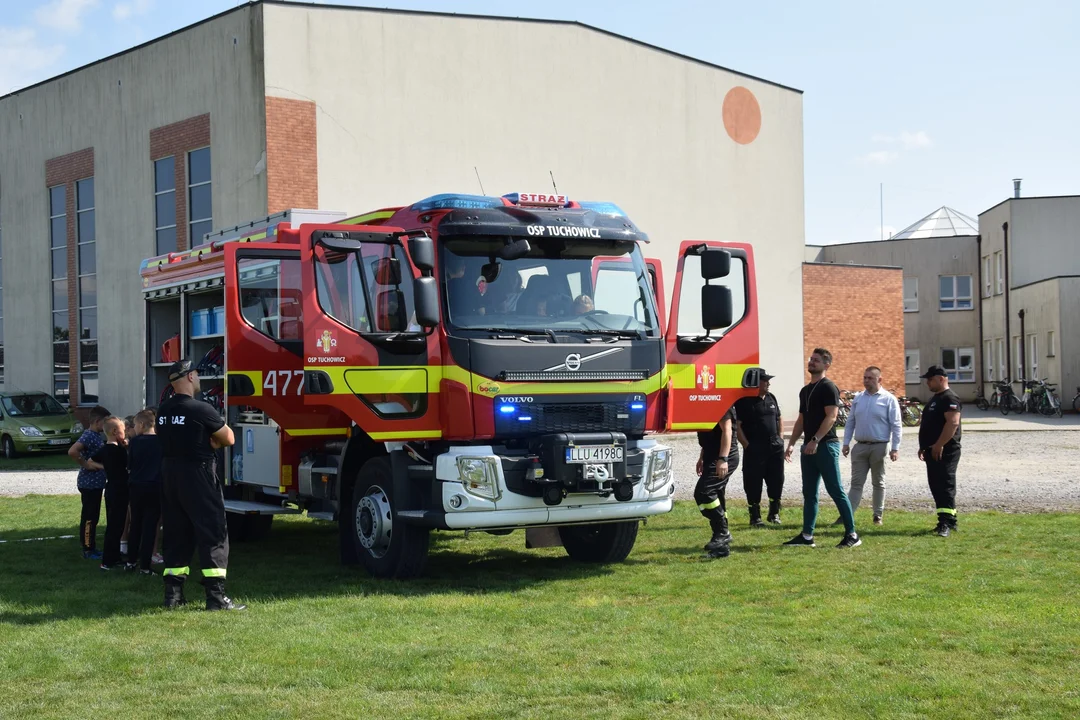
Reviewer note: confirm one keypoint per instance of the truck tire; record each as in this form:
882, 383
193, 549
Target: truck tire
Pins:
600, 543
388, 548
258, 527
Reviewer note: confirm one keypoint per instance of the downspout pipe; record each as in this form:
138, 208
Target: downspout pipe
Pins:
1008, 334
1023, 347
982, 360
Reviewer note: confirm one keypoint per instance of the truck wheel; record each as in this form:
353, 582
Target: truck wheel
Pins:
388, 548
257, 526
601, 543
9, 449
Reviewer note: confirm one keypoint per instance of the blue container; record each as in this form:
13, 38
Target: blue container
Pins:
200, 323
217, 320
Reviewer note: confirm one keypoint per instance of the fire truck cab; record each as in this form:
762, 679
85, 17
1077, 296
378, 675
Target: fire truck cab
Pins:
462, 363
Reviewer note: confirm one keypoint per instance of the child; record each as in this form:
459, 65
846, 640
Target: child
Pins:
129, 432
113, 456
144, 484
91, 482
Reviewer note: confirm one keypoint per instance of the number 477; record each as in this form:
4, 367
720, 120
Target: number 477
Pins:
270, 382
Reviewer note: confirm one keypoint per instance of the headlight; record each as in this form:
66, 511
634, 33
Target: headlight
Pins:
479, 476
30, 431
659, 469
77, 428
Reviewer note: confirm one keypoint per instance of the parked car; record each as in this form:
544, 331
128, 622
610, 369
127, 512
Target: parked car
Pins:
33, 422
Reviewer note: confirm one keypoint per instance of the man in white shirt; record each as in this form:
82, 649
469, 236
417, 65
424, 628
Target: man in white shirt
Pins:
874, 422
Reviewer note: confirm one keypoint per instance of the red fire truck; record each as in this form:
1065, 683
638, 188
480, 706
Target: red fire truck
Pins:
463, 363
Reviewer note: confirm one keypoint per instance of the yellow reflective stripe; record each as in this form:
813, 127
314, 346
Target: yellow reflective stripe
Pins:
308, 432
709, 506
685, 377
214, 572
387, 381
361, 219
457, 374
946, 511
406, 435
176, 571
256, 379
694, 425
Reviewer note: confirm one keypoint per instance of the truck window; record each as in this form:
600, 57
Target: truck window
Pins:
270, 296
690, 295
369, 290
614, 284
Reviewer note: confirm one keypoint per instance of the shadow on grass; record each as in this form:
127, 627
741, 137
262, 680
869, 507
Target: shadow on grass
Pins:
48, 581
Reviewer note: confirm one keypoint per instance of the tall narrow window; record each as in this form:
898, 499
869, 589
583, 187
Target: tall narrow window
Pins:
988, 360
1018, 349
911, 294
911, 367
87, 265
1033, 356
165, 205
1000, 343
1051, 343
58, 245
988, 282
999, 271
200, 212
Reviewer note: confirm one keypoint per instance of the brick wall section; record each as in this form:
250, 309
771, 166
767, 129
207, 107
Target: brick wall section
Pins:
65, 170
857, 313
177, 140
292, 162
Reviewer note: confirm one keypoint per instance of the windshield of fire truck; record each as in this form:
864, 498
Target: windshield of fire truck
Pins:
599, 286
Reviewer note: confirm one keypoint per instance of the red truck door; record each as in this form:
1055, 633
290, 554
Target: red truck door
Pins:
709, 369
363, 352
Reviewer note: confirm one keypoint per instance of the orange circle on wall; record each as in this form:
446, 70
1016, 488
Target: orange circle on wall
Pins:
742, 115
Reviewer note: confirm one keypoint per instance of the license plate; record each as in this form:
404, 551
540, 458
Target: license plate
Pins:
60, 441
594, 454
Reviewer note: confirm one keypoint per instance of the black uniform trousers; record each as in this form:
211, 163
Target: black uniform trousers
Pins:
941, 476
710, 488
194, 512
763, 463
116, 509
145, 514
91, 514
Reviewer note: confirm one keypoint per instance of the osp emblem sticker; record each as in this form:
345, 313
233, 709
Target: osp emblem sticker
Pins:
327, 341
705, 378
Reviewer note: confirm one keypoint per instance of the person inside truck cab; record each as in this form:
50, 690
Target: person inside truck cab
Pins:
463, 288
583, 304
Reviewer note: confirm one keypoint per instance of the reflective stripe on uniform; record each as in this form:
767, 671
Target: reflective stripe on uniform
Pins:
709, 506
946, 511
214, 572
176, 571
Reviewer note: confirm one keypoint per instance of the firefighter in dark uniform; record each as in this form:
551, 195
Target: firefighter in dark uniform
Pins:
760, 431
716, 464
939, 446
192, 503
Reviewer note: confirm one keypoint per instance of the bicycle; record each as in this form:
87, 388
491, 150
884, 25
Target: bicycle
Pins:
844, 410
1009, 400
910, 411
995, 400
1044, 400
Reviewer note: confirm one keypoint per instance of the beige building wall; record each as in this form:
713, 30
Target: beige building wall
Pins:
1068, 350
1047, 230
928, 329
408, 105
214, 68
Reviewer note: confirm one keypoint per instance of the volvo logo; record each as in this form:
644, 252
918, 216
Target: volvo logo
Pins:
574, 361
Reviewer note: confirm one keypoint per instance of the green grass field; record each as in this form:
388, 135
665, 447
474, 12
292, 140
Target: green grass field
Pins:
47, 461
983, 624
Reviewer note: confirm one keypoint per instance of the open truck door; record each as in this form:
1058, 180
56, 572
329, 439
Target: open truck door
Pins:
367, 349
712, 335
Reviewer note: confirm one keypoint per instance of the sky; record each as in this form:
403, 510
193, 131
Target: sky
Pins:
921, 104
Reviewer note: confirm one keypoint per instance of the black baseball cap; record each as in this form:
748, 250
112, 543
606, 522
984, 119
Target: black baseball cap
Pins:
934, 371
179, 369
766, 376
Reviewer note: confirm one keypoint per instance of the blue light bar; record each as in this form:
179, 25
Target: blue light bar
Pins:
637, 406
525, 418
604, 208
507, 409
453, 201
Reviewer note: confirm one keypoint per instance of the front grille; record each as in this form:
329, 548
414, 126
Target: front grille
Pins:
577, 417
576, 376
48, 432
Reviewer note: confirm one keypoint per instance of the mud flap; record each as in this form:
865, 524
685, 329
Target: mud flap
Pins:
542, 537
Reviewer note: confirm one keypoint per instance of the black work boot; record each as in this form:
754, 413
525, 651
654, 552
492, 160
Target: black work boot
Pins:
755, 516
216, 599
721, 538
174, 593
774, 512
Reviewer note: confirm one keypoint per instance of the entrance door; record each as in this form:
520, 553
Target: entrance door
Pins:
709, 369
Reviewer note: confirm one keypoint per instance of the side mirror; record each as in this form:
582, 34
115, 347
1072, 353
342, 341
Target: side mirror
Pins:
426, 301
715, 263
716, 307
340, 244
422, 252
387, 271
515, 250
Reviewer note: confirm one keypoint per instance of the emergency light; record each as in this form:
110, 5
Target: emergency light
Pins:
453, 201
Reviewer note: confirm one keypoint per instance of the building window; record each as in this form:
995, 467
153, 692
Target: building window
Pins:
988, 357
955, 292
959, 364
200, 211
999, 271
911, 367
1000, 343
1018, 348
58, 246
988, 282
911, 294
1051, 346
1033, 357
87, 266
165, 205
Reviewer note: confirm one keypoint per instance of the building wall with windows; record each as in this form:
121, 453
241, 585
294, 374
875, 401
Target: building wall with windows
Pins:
940, 296
112, 112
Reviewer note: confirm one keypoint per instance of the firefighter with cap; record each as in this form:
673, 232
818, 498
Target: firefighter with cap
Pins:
760, 431
192, 502
939, 446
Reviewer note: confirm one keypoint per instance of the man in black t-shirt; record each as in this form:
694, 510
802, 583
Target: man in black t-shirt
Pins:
939, 446
819, 402
760, 432
192, 502
716, 463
